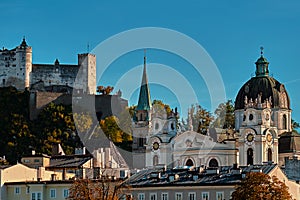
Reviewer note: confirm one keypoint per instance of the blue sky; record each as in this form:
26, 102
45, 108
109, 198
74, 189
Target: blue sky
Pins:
230, 31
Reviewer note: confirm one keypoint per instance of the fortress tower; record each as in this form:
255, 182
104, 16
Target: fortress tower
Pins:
16, 66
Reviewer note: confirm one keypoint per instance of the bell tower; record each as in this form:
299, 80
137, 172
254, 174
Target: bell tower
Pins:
141, 121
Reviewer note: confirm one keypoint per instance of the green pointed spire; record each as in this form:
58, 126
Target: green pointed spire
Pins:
144, 98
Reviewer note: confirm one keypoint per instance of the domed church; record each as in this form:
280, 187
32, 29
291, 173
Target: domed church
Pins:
262, 115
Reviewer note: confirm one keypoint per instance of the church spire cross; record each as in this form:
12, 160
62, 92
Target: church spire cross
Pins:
262, 51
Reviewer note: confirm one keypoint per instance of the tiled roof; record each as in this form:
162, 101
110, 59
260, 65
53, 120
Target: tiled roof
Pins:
68, 161
227, 175
289, 142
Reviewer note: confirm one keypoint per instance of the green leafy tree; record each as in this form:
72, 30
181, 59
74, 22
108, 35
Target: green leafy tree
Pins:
295, 125
110, 127
15, 125
201, 119
258, 185
55, 124
224, 116
161, 107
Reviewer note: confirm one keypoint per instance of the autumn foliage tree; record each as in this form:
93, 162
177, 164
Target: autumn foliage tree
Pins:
105, 90
102, 189
258, 185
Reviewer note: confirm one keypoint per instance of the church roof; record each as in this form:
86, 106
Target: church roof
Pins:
226, 175
289, 142
262, 84
144, 102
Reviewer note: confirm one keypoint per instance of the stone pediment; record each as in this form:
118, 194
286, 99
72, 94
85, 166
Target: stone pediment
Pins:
192, 140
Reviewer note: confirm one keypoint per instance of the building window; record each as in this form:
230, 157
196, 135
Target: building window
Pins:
36, 196
156, 126
205, 195
269, 155
189, 163
164, 196
141, 196
153, 196
284, 123
178, 196
219, 195
213, 163
36, 160
251, 117
17, 190
52, 193
141, 142
27, 189
155, 160
192, 196
250, 156
66, 193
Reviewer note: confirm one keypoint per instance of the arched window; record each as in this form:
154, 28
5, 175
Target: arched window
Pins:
250, 156
156, 126
269, 155
155, 160
141, 117
284, 122
213, 163
189, 163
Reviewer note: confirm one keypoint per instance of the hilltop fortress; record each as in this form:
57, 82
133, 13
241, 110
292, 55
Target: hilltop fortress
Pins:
17, 70
54, 82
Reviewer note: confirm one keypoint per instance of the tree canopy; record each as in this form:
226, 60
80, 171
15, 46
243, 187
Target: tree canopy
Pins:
258, 185
224, 115
85, 189
201, 118
104, 90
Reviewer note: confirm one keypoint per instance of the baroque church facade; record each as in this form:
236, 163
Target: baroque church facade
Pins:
262, 115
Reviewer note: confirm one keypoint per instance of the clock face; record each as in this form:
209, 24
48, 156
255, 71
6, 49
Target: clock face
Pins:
249, 138
155, 145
